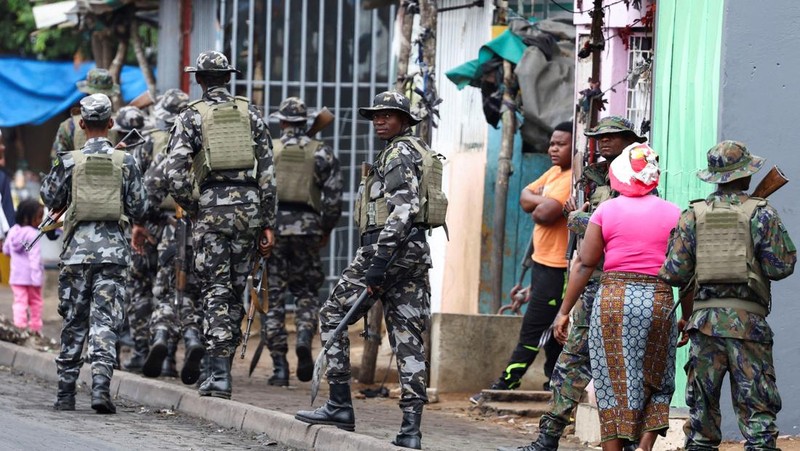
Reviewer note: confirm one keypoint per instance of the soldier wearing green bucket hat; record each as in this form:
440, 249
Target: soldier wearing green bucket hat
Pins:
723, 254
70, 136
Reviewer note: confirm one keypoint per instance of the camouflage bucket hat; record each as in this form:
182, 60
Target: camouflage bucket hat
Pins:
169, 105
614, 124
389, 100
128, 118
98, 81
292, 110
211, 61
96, 107
729, 160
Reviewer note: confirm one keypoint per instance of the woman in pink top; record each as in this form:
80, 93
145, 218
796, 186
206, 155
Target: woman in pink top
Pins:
632, 334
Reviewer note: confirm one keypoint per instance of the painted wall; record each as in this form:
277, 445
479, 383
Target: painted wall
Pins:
760, 91
688, 35
461, 137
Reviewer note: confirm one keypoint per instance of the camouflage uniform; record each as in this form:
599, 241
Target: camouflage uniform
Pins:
295, 266
139, 299
405, 292
233, 208
98, 81
726, 339
93, 262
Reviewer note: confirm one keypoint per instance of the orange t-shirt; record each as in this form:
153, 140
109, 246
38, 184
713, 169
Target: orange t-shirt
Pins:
550, 241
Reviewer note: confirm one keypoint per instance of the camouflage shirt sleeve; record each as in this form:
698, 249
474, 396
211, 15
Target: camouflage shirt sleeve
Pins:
268, 192
330, 182
57, 184
135, 196
184, 139
400, 174
678, 267
155, 181
773, 246
63, 141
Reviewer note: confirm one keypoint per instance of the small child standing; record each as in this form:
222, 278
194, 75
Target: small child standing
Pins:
26, 267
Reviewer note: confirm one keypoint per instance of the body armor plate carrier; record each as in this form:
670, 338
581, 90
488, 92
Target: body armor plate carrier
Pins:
160, 140
432, 204
725, 251
227, 138
96, 189
294, 169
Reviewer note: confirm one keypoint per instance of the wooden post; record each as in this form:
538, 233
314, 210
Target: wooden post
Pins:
501, 188
428, 20
407, 24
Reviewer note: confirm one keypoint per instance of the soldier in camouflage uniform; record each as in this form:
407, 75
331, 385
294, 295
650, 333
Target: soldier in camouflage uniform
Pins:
95, 253
69, 135
310, 195
166, 323
727, 327
572, 372
235, 213
391, 190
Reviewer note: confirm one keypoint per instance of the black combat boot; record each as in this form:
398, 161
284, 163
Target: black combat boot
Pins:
159, 347
101, 394
168, 368
195, 351
338, 411
280, 370
544, 442
410, 435
65, 399
218, 384
305, 364
138, 356
205, 370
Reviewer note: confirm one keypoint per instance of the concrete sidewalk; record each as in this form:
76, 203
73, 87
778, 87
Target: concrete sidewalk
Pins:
451, 424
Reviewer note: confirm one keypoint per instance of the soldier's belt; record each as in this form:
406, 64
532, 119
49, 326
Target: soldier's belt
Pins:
734, 303
371, 237
295, 206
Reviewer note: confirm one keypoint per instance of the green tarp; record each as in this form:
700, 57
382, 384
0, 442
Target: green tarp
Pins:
507, 46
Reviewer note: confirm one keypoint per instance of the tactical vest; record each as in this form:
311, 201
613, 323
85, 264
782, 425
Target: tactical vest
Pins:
600, 194
227, 139
96, 189
725, 252
294, 168
372, 214
160, 140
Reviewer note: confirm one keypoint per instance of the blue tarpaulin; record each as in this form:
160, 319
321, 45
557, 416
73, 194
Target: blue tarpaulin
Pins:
31, 92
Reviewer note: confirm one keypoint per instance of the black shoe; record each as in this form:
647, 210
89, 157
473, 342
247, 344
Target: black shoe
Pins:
305, 364
158, 352
410, 435
205, 370
135, 363
280, 370
543, 443
65, 400
168, 368
218, 384
101, 396
195, 351
338, 411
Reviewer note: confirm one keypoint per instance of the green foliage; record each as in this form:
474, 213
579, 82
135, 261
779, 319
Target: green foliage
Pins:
18, 34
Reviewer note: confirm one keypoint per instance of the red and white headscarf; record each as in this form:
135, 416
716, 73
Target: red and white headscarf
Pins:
635, 171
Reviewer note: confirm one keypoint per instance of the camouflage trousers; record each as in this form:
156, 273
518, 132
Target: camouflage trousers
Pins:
294, 268
223, 260
90, 301
572, 372
756, 400
406, 308
139, 305
189, 314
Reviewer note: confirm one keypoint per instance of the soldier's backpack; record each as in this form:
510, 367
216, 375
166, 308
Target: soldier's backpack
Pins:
96, 189
294, 173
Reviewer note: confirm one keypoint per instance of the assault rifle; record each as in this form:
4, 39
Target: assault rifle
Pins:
181, 232
323, 119
771, 182
255, 304
49, 224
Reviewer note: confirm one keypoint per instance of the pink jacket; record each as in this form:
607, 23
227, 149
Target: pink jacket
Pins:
26, 267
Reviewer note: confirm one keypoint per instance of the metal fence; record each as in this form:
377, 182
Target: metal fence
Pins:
329, 53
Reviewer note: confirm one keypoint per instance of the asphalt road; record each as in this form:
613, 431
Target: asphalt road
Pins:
28, 422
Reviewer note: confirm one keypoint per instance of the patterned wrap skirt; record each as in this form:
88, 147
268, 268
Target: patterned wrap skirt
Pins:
632, 340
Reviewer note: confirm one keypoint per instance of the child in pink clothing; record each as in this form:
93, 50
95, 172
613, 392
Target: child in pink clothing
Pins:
26, 267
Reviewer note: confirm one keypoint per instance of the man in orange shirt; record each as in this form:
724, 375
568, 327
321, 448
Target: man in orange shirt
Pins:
545, 199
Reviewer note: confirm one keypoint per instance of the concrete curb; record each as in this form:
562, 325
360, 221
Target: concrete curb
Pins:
232, 414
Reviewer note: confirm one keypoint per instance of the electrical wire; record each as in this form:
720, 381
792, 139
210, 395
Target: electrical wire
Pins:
581, 12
